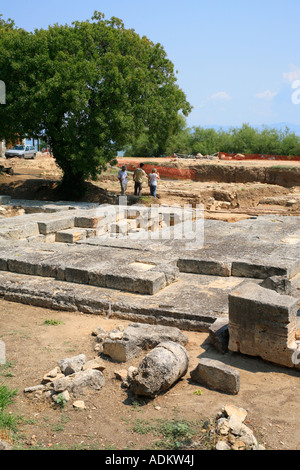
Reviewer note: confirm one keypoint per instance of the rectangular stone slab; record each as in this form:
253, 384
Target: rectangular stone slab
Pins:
56, 225
263, 270
203, 266
262, 323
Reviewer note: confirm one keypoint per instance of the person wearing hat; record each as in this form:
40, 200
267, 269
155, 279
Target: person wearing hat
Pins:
122, 177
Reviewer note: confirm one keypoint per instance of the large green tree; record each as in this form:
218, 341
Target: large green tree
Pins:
90, 87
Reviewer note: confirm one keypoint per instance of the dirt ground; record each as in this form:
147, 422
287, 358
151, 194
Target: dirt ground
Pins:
114, 418
33, 347
39, 179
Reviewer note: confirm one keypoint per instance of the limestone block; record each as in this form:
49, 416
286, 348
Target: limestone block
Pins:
70, 236
219, 334
262, 323
88, 221
123, 226
56, 225
265, 269
217, 376
77, 275
78, 382
71, 365
25, 230
90, 379
278, 283
142, 283
138, 337
202, 266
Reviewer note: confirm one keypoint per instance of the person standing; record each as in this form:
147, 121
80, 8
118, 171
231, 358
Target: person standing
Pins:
138, 176
153, 178
123, 178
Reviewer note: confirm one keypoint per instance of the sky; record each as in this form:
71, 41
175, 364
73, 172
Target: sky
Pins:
238, 61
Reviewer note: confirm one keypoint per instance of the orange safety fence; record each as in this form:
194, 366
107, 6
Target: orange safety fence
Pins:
239, 156
173, 173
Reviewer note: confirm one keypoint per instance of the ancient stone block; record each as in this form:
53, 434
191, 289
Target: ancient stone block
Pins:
217, 376
219, 334
138, 337
278, 283
202, 266
71, 365
263, 323
88, 221
70, 236
265, 269
142, 283
77, 275
56, 225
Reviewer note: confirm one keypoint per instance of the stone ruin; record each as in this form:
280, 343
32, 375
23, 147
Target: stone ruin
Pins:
240, 282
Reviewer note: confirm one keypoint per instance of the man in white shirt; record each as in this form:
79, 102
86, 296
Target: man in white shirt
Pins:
122, 177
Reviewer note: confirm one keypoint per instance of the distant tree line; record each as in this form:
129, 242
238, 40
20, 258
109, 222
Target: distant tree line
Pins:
195, 140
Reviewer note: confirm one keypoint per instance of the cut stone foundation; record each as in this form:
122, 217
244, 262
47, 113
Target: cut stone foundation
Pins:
134, 263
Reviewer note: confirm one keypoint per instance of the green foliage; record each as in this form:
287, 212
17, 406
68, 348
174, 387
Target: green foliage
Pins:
91, 88
7, 396
52, 322
60, 400
245, 139
175, 434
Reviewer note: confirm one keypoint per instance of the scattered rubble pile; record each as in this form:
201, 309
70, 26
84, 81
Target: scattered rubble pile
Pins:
231, 433
166, 361
72, 375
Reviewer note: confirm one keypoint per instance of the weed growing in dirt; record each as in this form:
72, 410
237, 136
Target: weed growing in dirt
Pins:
7, 421
52, 322
175, 434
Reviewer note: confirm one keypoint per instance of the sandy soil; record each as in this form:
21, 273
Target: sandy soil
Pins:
33, 348
39, 178
269, 392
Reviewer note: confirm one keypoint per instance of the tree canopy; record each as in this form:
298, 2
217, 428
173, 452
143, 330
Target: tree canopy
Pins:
208, 141
91, 87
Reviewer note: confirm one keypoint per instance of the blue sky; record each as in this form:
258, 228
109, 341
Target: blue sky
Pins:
237, 60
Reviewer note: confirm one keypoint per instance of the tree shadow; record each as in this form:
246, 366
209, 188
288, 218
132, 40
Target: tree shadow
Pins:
51, 190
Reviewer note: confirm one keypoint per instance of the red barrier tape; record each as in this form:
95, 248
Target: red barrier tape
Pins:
174, 173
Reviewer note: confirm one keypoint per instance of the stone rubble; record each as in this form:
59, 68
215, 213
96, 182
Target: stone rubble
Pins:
76, 375
72, 375
230, 431
160, 368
